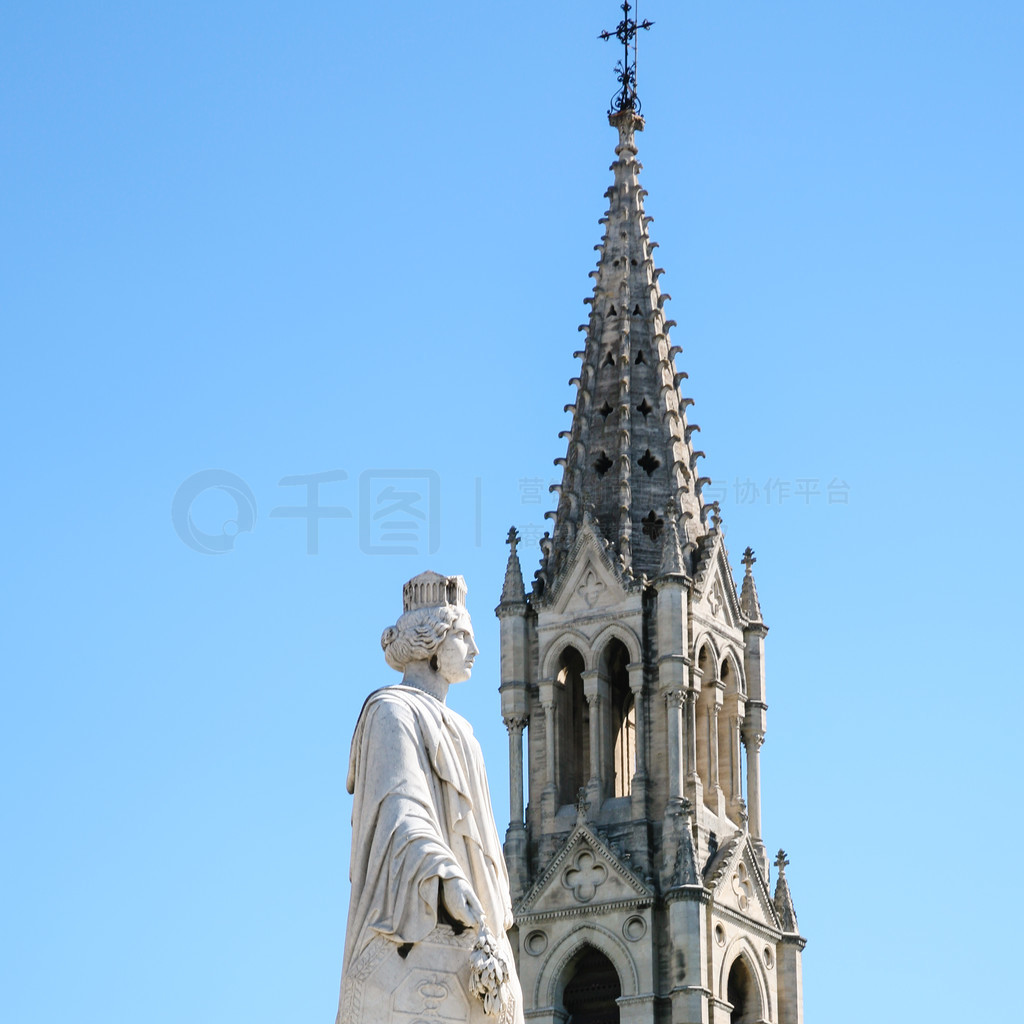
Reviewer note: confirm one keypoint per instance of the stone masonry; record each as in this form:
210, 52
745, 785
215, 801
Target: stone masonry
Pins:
633, 675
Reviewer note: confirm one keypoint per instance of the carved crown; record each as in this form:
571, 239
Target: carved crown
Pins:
431, 589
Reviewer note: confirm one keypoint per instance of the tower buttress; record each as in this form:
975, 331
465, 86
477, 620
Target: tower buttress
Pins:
514, 613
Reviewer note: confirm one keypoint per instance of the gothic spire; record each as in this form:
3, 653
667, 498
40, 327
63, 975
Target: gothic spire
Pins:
783, 900
629, 446
749, 604
672, 562
513, 592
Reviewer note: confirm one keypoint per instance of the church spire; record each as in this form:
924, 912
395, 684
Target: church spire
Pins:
513, 592
629, 446
634, 677
749, 604
783, 899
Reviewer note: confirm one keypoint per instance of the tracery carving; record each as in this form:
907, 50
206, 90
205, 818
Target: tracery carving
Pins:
741, 886
584, 876
590, 589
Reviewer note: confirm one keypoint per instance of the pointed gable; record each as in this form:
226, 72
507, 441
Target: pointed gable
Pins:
590, 579
584, 873
714, 586
737, 882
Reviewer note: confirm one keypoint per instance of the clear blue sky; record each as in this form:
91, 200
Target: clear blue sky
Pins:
280, 240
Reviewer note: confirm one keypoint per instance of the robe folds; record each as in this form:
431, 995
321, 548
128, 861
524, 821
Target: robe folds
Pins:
421, 814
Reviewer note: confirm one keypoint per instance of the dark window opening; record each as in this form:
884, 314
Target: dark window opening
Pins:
572, 753
590, 996
648, 462
652, 525
742, 993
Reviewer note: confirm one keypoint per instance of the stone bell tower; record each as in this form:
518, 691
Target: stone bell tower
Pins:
634, 675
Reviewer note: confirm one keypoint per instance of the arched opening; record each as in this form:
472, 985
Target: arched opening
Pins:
707, 728
591, 994
620, 745
741, 991
730, 719
572, 754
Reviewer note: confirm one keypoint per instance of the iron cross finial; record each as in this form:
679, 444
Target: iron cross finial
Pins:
626, 32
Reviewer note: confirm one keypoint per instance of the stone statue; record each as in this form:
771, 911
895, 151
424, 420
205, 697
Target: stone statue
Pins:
430, 900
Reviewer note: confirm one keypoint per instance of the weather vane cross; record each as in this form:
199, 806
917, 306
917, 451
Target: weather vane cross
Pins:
626, 33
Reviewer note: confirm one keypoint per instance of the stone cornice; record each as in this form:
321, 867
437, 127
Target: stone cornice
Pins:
512, 684
689, 894
599, 617
612, 906
750, 923
640, 999
676, 578
723, 629
512, 609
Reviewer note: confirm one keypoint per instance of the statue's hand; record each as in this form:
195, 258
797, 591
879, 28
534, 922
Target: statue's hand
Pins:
462, 903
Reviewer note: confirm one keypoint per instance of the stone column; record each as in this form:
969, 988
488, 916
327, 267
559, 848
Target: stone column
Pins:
689, 958
715, 794
694, 787
691, 735
752, 741
549, 795
550, 786
731, 731
791, 982
713, 748
515, 728
515, 836
674, 700
595, 784
638, 786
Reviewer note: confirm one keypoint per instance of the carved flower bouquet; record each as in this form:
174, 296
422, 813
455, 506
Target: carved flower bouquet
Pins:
489, 976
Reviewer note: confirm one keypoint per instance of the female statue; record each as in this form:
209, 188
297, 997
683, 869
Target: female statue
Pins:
430, 903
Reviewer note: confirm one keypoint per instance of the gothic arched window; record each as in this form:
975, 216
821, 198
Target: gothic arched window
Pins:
620, 758
741, 991
573, 735
707, 726
591, 994
729, 721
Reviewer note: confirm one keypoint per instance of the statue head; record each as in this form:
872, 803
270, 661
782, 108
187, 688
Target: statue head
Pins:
435, 628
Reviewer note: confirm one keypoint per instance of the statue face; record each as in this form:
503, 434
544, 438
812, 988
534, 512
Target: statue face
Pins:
457, 651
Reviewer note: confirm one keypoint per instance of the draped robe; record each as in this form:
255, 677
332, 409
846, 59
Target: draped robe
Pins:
421, 814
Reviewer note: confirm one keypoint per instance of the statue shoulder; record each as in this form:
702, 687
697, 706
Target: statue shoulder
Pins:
397, 705
395, 701
391, 720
